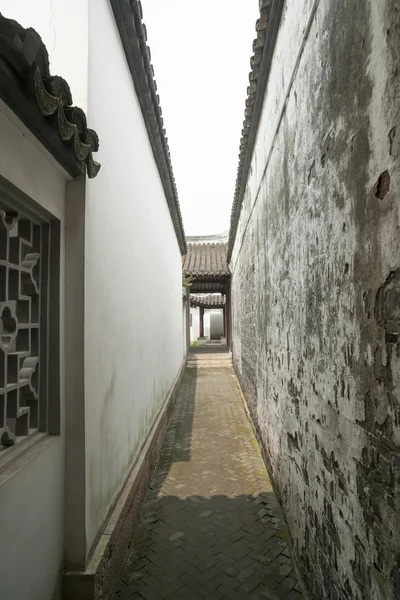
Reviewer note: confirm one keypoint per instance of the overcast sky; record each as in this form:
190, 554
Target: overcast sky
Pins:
201, 56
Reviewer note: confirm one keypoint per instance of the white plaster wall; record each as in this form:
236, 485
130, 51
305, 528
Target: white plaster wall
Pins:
32, 489
29, 166
63, 27
216, 323
185, 308
133, 278
195, 328
207, 324
31, 526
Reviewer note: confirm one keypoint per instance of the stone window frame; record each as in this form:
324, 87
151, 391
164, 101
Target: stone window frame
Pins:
49, 401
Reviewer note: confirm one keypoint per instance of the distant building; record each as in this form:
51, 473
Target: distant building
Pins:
205, 263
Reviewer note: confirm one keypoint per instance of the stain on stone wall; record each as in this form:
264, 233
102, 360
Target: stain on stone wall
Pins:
316, 300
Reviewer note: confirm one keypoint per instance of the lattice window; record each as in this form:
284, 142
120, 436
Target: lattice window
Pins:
24, 325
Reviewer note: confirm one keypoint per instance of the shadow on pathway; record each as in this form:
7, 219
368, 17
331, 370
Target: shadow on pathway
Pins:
210, 526
211, 348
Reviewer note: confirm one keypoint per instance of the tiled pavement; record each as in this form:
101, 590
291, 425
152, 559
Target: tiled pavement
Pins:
210, 526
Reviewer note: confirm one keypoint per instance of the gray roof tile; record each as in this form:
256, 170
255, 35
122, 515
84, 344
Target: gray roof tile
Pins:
205, 260
207, 300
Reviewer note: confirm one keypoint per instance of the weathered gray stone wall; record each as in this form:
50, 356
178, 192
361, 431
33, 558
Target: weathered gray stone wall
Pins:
316, 291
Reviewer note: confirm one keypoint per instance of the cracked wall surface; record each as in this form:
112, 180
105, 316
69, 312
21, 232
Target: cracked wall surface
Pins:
316, 292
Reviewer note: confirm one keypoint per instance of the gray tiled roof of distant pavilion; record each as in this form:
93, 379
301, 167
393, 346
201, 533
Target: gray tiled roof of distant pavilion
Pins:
207, 300
207, 265
206, 260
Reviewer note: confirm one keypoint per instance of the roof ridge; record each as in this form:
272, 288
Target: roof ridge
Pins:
260, 61
207, 243
133, 33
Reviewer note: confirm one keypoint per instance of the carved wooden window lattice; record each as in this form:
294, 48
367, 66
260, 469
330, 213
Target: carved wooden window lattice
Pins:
24, 325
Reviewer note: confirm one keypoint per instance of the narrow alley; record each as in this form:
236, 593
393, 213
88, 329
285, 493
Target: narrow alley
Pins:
210, 526
199, 300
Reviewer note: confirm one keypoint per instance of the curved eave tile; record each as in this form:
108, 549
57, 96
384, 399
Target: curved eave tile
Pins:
26, 58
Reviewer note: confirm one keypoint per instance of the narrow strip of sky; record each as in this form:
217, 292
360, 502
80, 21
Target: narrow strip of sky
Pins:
201, 55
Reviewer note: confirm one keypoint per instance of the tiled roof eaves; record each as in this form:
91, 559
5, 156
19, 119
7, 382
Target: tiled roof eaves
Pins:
218, 238
267, 27
128, 16
207, 300
206, 260
43, 101
208, 276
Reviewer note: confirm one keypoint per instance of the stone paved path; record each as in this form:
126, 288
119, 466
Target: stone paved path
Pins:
210, 526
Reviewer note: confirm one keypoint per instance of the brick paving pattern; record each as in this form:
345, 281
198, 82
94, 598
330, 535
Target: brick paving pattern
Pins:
210, 526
